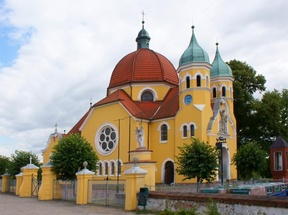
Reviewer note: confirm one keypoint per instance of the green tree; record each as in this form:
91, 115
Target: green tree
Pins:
272, 117
69, 154
21, 159
246, 84
250, 160
197, 160
4, 164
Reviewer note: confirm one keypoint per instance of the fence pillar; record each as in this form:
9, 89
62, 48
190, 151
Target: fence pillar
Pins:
135, 179
82, 184
19, 179
29, 171
48, 177
5, 183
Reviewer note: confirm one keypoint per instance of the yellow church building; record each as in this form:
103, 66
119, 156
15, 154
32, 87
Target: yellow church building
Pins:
153, 108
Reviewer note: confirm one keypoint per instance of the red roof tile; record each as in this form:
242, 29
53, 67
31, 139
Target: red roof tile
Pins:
141, 66
145, 110
170, 105
76, 127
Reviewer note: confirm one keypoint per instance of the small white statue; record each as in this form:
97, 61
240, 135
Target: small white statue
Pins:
223, 122
140, 136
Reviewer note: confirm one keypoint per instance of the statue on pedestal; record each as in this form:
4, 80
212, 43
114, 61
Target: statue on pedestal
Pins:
140, 136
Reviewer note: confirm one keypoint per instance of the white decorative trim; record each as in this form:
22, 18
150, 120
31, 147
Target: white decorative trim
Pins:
155, 96
163, 169
199, 106
98, 148
159, 129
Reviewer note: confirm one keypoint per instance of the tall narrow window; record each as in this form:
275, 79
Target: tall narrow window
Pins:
100, 169
214, 92
223, 91
118, 168
207, 81
184, 131
198, 80
192, 130
187, 82
106, 168
278, 161
112, 168
164, 132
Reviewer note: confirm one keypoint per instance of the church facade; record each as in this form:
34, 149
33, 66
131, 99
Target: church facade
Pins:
154, 107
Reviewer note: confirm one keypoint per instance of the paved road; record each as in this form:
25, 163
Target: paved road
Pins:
14, 205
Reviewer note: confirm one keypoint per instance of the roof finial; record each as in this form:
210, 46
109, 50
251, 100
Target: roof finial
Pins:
56, 128
90, 102
143, 14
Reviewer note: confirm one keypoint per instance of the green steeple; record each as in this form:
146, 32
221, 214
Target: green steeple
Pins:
219, 67
143, 38
194, 53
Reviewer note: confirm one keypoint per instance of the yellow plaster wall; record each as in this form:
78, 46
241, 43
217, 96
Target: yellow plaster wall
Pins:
160, 89
53, 140
115, 114
162, 150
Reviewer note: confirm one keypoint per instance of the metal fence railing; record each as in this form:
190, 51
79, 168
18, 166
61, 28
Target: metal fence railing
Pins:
65, 190
106, 192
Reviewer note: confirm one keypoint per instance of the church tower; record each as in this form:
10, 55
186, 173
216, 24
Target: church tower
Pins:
194, 86
222, 93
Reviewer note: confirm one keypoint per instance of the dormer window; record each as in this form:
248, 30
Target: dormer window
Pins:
147, 96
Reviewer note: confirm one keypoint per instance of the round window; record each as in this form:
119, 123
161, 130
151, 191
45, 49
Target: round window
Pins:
106, 140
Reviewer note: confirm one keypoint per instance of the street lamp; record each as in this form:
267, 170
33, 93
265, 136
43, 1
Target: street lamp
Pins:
219, 146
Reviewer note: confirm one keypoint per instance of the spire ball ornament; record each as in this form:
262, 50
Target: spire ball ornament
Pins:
85, 164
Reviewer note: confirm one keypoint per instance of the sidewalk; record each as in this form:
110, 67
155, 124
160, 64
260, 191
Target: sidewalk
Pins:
14, 205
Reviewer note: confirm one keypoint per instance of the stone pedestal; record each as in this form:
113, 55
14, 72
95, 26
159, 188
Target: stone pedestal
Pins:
83, 177
135, 179
143, 156
5, 183
29, 171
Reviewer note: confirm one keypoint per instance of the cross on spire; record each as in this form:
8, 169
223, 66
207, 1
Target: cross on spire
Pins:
56, 128
143, 14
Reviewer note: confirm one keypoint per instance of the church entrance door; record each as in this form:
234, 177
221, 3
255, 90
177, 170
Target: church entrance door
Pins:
169, 173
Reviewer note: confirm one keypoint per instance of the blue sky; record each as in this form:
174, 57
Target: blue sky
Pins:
55, 55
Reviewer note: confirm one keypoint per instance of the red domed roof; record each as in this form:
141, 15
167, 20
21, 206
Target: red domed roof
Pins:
143, 65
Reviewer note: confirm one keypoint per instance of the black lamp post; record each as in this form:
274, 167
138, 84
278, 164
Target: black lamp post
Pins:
219, 146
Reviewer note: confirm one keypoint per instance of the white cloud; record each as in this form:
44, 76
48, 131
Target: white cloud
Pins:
69, 49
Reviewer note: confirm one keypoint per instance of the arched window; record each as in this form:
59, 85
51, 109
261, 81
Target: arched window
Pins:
164, 132
187, 82
112, 168
106, 168
100, 169
147, 96
192, 130
207, 81
214, 92
223, 91
185, 131
118, 168
198, 77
